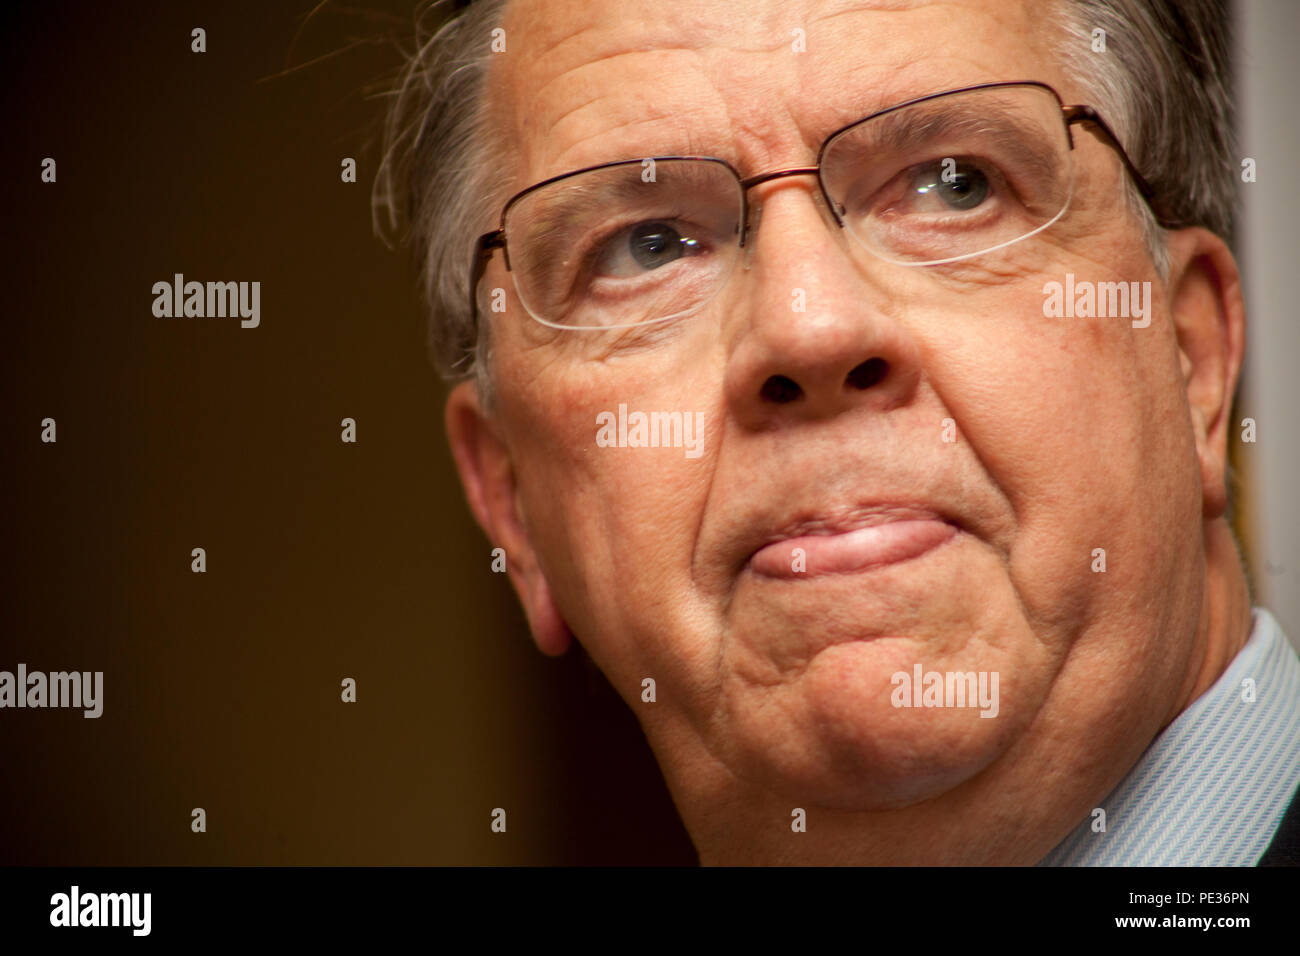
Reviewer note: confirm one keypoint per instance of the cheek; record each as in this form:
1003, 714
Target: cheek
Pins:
615, 458
1075, 420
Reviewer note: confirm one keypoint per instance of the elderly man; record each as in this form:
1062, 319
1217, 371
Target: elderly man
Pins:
854, 380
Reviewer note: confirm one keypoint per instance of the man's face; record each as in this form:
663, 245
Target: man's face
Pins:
968, 545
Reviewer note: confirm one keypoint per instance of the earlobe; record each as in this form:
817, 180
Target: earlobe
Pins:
550, 631
1209, 319
487, 474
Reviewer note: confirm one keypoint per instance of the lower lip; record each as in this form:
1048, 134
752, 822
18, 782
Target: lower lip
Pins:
859, 550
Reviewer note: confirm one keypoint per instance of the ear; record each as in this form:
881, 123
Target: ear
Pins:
488, 475
1209, 319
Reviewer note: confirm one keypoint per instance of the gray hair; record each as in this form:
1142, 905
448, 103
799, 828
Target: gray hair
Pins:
430, 189
1162, 85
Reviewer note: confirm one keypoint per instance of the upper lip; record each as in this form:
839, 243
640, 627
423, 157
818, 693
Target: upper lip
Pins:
832, 520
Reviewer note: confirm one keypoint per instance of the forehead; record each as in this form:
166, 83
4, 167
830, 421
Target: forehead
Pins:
756, 82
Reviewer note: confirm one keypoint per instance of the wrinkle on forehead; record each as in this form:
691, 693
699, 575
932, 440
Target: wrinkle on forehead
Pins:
590, 81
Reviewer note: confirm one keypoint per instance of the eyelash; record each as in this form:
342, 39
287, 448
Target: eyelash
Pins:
602, 239
1000, 185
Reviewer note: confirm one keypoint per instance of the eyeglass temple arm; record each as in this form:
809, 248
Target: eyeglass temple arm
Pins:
482, 256
1088, 116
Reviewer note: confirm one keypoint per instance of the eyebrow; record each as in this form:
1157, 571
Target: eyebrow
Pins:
901, 129
906, 129
586, 194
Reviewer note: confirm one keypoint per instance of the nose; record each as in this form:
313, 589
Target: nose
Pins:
816, 332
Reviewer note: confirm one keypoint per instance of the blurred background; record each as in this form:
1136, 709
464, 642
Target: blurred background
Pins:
328, 560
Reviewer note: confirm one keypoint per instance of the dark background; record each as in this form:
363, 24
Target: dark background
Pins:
325, 560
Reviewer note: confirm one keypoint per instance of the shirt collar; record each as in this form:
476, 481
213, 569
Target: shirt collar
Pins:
1213, 786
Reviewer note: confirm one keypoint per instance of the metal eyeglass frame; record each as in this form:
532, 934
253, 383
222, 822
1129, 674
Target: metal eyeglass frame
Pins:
1083, 115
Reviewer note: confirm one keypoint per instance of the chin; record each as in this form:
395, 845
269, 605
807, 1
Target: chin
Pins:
834, 738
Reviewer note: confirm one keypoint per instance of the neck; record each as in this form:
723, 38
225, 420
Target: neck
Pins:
1225, 620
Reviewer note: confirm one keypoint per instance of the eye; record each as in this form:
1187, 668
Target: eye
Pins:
960, 186
643, 247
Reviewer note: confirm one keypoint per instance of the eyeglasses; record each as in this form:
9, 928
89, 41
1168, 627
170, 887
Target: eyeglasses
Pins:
935, 180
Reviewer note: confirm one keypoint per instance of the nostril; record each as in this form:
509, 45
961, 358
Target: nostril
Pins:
780, 390
867, 374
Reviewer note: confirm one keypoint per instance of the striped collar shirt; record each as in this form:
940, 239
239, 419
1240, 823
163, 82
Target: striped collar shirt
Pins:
1214, 785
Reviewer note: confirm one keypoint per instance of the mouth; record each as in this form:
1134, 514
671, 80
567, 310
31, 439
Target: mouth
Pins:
865, 541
